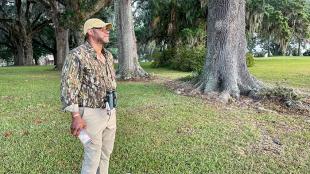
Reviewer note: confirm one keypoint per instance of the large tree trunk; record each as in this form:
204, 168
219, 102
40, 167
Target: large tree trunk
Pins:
20, 54
268, 44
129, 67
28, 50
225, 69
62, 46
299, 47
24, 52
61, 34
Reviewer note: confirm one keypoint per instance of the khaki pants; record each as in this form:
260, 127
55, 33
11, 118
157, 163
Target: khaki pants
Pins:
101, 127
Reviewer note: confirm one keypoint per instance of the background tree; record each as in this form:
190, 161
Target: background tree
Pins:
44, 43
129, 67
225, 70
277, 23
20, 20
67, 15
171, 31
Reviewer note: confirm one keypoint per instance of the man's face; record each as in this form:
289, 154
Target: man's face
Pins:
102, 35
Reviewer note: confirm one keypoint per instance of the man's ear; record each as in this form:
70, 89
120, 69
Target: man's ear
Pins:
90, 32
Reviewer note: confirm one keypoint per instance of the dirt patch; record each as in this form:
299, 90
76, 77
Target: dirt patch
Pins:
185, 130
148, 79
38, 121
7, 134
267, 145
260, 106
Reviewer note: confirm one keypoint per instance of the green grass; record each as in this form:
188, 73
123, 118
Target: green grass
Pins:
158, 131
164, 72
287, 71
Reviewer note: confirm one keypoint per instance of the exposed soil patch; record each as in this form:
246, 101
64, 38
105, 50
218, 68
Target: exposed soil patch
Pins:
274, 105
267, 145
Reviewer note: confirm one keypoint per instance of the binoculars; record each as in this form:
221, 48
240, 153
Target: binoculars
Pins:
111, 99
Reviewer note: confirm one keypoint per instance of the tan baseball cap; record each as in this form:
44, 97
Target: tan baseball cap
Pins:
95, 23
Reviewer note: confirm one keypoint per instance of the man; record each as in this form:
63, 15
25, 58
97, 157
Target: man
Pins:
88, 78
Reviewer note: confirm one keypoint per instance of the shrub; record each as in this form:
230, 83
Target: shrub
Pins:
181, 58
189, 59
164, 58
288, 96
249, 59
307, 53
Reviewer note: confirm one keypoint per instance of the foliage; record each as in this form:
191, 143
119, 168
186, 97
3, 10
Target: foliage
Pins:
278, 22
249, 59
189, 59
164, 21
306, 53
19, 21
44, 42
287, 96
188, 54
6, 53
181, 58
164, 58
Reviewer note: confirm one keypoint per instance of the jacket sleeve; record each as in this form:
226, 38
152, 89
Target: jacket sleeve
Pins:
71, 83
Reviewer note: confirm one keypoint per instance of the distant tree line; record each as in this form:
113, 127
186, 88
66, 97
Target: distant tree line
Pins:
31, 28
165, 30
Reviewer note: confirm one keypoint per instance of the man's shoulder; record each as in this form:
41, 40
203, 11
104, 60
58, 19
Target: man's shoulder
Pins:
78, 50
108, 53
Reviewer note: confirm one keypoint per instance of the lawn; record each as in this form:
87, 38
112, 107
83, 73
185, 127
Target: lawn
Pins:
158, 130
287, 71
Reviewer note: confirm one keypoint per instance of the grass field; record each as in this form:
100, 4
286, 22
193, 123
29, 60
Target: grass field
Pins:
287, 71
158, 131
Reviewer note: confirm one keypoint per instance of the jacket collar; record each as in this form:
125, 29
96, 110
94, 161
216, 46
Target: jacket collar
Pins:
92, 51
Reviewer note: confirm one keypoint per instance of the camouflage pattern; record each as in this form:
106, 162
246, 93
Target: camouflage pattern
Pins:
85, 79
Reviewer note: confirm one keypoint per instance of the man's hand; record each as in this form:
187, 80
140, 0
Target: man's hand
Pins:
77, 125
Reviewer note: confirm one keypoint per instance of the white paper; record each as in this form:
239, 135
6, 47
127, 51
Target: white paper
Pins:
84, 137
107, 106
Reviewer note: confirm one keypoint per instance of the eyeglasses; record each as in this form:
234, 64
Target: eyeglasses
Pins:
101, 28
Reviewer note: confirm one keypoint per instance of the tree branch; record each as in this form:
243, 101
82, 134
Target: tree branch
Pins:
96, 7
6, 32
46, 3
6, 44
18, 5
1, 6
42, 44
36, 19
40, 26
4, 20
27, 10
5, 26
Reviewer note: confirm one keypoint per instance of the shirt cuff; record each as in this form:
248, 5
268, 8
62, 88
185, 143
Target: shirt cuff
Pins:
72, 108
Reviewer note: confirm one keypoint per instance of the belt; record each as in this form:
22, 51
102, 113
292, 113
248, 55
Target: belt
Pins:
102, 107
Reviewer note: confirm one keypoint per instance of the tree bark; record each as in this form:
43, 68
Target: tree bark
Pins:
299, 47
61, 34
28, 50
20, 54
225, 69
24, 52
129, 67
62, 45
268, 44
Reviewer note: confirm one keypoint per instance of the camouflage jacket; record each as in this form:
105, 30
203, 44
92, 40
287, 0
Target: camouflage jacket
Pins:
85, 79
